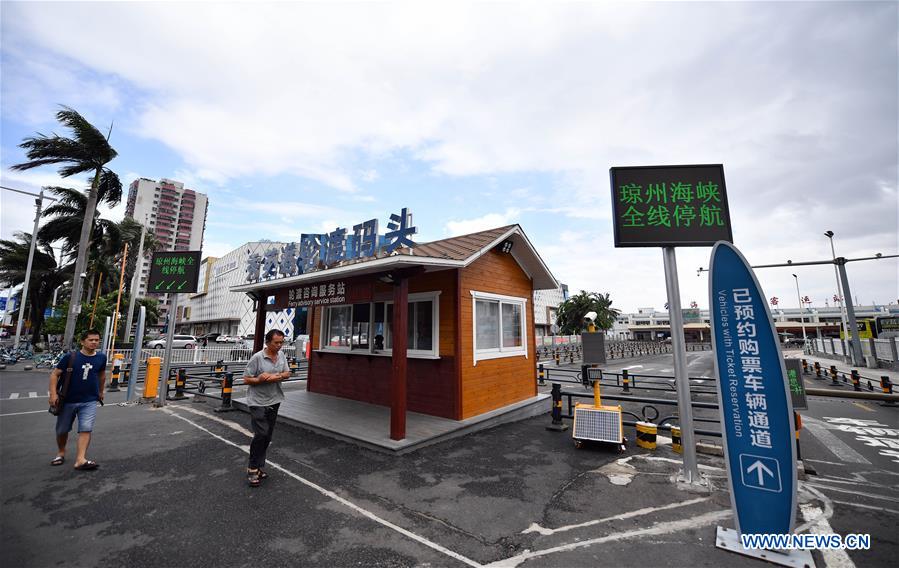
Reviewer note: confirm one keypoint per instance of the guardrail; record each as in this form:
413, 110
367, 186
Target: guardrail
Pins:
202, 355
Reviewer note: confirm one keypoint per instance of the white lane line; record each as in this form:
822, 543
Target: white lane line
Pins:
233, 425
632, 367
657, 529
30, 412
13, 396
851, 504
639, 512
32, 394
838, 447
818, 524
859, 493
336, 497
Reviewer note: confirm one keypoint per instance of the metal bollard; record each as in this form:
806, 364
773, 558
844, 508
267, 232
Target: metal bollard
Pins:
220, 368
646, 435
817, 370
180, 380
625, 382
676, 440
294, 366
151, 382
856, 380
804, 367
556, 357
833, 376
557, 425
541, 374
887, 387
227, 386
117, 360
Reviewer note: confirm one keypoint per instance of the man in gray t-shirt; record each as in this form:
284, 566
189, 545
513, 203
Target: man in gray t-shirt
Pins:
264, 373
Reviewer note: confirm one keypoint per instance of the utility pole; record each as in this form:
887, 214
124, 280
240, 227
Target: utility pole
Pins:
135, 281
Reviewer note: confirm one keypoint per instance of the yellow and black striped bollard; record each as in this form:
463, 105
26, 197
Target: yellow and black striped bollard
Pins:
646, 435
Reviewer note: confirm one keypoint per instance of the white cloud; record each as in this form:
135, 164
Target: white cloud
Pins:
488, 221
798, 100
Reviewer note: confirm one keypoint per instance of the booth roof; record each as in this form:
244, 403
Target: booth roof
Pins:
454, 252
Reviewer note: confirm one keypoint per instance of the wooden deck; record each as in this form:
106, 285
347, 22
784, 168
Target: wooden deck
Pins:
369, 424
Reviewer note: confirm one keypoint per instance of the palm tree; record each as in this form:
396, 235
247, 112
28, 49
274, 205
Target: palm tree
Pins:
571, 312
88, 151
46, 275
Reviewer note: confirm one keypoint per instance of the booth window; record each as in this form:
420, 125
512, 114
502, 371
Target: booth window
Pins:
500, 328
368, 327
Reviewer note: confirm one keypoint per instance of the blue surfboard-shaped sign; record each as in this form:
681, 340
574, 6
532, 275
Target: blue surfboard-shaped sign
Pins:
756, 412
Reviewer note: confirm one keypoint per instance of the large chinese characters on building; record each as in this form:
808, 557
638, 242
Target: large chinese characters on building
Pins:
320, 251
670, 206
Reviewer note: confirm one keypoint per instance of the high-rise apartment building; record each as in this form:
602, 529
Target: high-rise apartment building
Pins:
176, 215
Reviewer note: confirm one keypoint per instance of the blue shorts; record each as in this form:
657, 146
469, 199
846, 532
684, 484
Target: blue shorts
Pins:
86, 412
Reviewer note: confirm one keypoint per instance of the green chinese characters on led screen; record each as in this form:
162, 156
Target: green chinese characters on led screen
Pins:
670, 206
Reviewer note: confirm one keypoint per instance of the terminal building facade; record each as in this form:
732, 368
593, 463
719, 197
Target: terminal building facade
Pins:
649, 324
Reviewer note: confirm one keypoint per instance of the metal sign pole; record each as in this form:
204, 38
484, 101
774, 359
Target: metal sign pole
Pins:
136, 353
690, 472
106, 331
167, 363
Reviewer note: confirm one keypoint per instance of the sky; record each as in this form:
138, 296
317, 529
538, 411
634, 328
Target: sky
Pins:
304, 117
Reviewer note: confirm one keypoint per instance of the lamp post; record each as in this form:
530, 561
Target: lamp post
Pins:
801, 316
829, 235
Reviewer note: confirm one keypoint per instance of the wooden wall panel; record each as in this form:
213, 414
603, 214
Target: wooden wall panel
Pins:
432, 385
494, 383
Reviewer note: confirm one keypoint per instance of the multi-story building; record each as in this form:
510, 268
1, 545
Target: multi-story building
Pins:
216, 309
647, 324
176, 215
546, 307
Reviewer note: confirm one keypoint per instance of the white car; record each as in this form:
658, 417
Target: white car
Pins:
178, 342
224, 339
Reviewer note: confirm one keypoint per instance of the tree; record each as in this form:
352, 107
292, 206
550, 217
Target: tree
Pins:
105, 308
570, 316
46, 275
88, 151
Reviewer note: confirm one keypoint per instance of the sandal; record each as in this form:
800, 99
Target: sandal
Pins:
253, 478
58, 460
87, 466
262, 474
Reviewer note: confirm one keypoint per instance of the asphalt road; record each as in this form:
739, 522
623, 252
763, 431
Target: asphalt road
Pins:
171, 492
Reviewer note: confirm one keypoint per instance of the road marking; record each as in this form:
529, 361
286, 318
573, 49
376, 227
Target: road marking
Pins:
14, 396
657, 529
18, 396
819, 524
851, 504
336, 497
32, 394
836, 446
632, 367
29, 412
639, 512
859, 493
862, 406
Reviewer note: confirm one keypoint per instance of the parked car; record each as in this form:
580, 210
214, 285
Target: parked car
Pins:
210, 337
224, 339
178, 342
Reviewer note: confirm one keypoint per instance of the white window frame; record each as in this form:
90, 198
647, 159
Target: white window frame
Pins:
433, 353
498, 352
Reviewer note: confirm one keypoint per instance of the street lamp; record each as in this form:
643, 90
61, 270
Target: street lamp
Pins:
801, 316
829, 235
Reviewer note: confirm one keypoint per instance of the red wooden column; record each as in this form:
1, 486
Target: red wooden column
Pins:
398, 377
259, 330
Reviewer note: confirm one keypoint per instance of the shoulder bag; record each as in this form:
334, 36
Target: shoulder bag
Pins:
62, 388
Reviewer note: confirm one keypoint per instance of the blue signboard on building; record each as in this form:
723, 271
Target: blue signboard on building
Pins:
754, 395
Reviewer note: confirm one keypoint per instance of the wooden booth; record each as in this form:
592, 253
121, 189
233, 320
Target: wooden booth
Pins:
444, 328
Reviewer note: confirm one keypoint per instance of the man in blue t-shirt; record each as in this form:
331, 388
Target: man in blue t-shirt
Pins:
86, 388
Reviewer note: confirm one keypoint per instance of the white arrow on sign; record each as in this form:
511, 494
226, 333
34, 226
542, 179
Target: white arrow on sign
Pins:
761, 469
